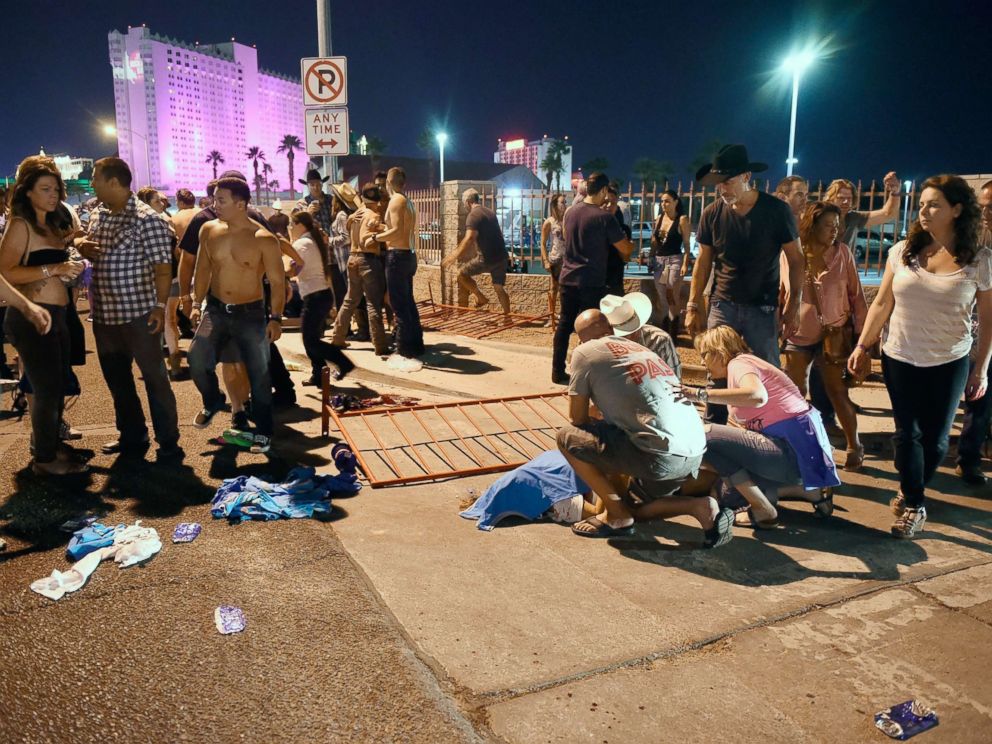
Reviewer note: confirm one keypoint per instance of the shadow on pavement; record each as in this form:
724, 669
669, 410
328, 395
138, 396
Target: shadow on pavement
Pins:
451, 357
158, 489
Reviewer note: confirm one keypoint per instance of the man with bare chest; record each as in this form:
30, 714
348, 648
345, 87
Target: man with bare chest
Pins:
401, 264
234, 255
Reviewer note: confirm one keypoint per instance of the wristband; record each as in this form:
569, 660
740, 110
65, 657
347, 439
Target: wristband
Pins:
692, 306
703, 395
46, 272
276, 318
861, 346
160, 305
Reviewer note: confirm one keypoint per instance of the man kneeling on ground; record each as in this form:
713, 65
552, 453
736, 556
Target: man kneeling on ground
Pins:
649, 431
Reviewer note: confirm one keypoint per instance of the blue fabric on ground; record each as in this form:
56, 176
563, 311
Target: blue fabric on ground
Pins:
528, 492
90, 538
303, 494
808, 438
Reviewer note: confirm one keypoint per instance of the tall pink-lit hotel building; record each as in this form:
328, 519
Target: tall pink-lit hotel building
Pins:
185, 100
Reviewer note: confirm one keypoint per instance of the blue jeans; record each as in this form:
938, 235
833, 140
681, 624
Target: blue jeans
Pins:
758, 324
244, 325
924, 401
977, 415
400, 268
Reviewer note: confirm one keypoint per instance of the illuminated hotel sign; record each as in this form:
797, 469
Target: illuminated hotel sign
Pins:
516, 144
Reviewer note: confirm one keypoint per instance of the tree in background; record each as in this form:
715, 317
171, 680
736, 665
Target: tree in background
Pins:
427, 144
558, 150
600, 164
289, 145
214, 158
255, 155
704, 156
650, 171
266, 173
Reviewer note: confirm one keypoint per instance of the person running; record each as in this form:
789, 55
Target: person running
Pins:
932, 282
33, 259
235, 254
322, 208
315, 289
484, 241
833, 304
401, 264
553, 246
590, 233
670, 241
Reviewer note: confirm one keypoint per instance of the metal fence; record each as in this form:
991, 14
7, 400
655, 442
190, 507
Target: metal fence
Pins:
427, 202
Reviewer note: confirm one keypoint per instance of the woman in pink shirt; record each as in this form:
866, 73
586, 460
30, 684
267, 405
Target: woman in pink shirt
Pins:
832, 297
780, 447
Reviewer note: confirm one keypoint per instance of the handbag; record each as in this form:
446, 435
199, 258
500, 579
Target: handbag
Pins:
838, 341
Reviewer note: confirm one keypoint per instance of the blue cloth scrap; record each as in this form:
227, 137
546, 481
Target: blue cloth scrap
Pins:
814, 454
303, 494
92, 537
528, 492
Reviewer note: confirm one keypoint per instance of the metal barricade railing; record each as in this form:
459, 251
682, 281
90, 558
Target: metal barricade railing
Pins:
430, 237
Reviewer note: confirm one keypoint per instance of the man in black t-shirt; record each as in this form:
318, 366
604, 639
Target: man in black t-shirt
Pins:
590, 233
741, 236
482, 231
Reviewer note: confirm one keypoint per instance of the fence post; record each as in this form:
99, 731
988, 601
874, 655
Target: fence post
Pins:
452, 217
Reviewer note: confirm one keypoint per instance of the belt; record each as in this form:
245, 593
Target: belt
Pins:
243, 307
399, 249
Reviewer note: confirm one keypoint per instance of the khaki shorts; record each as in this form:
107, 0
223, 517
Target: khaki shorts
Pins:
478, 265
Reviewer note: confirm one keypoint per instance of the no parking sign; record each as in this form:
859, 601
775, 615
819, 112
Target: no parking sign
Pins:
325, 81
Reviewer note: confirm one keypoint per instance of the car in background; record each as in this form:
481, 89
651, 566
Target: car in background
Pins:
873, 244
641, 231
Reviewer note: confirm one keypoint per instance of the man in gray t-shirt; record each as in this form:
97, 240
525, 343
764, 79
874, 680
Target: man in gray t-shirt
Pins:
484, 239
648, 430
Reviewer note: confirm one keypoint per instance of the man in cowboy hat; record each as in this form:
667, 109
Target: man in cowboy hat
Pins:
316, 201
629, 315
648, 430
741, 235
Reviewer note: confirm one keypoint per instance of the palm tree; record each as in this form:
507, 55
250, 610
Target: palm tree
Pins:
213, 158
290, 143
600, 164
652, 171
266, 170
427, 143
374, 148
558, 150
273, 185
548, 166
255, 154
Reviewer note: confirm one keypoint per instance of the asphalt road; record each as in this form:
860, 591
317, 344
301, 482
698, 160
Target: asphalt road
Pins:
135, 655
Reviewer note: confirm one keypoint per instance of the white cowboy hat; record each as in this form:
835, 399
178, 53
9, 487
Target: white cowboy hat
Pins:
628, 313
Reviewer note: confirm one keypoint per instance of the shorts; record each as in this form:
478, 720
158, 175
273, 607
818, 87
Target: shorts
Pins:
812, 349
668, 270
609, 449
478, 265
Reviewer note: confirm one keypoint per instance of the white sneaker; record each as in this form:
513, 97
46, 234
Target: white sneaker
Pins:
910, 522
262, 444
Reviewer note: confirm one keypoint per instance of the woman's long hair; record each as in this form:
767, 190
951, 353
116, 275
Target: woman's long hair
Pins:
306, 219
812, 215
679, 209
554, 211
966, 225
58, 223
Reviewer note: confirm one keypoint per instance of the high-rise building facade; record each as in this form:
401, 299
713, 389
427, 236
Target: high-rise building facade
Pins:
177, 102
532, 154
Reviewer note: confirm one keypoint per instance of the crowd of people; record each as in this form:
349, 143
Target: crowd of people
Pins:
774, 279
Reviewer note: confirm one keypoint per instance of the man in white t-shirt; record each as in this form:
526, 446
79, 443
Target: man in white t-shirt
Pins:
648, 431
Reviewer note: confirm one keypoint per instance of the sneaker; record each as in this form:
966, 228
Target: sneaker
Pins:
171, 452
971, 474
67, 433
560, 378
284, 398
203, 417
239, 420
898, 504
239, 438
911, 522
261, 444
119, 447
312, 381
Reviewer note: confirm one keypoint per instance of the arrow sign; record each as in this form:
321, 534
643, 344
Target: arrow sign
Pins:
327, 131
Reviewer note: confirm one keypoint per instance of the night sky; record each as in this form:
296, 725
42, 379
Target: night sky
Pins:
906, 86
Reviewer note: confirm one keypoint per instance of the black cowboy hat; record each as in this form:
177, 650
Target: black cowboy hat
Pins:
234, 174
730, 161
313, 175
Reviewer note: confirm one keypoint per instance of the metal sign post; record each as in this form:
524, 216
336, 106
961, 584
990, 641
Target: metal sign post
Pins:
324, 50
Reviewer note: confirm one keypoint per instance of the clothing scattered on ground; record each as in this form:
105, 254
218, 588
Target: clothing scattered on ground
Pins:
128, 545
529, 491
186, 532
229, 619
341, 403
303, 494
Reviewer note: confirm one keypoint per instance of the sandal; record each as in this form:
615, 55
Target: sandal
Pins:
602, 529
722, 530
756, 524
824, 506
855, 459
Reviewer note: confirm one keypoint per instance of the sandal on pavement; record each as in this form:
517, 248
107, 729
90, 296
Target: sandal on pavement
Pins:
824, 506
722, 530
855, 459
602, 529
757, 524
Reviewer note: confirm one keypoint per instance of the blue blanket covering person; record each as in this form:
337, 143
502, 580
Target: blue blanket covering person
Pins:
302, 494
528, 492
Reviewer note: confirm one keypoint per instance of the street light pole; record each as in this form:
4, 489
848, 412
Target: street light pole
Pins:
441, 139
111, 131
796, 64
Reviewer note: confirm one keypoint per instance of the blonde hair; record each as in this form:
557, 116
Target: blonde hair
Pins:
722, 340
836, 185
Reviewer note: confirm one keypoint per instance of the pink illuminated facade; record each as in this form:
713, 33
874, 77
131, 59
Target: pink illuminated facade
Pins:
184, 101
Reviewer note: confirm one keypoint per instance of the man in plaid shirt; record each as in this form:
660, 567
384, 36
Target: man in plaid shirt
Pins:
130, 246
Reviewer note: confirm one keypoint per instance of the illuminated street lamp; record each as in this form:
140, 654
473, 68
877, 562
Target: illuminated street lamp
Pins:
796, 64
441, 139
111, 131
907, 185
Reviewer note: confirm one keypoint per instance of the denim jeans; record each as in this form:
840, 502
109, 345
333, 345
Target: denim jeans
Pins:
366, 281
977, 415
400, 268
244, 325
45, 362
574, 300
739, 455
924, 401
316, 307
117, 347
758, 324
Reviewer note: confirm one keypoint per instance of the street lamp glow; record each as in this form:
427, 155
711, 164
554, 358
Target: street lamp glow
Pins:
796, 63
441, 138
110, 130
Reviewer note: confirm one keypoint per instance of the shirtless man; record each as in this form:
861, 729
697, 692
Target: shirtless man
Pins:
234, 254
401, 264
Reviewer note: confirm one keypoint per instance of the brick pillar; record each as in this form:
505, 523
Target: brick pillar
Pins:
453, 227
